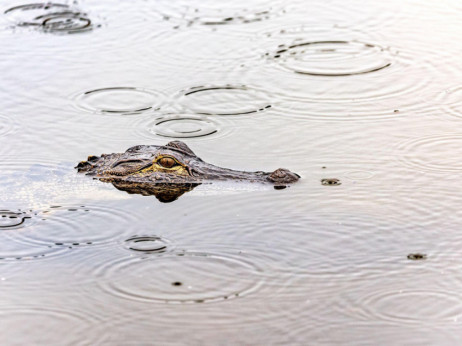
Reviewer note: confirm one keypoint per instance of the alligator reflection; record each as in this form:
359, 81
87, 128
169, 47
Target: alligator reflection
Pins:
164, 192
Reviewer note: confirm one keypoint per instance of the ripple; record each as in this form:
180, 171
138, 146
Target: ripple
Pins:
224, 99
224, 51
450, 100
203, 277
439, 153
358, 175
179, 126
10, 219
14, 249
411, 306
31, 235
27, 14
73, 226
147, 244
303, 62
212, 13
6, 125
333, 58
119, 100
50, 17
71, 22
27, 323
341, 245
365, 333
257, 324
14, 246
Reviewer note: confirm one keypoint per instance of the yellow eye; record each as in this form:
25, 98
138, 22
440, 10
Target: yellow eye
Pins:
166, 162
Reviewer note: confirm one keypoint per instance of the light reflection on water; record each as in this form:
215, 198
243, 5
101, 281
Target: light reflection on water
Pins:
368, 95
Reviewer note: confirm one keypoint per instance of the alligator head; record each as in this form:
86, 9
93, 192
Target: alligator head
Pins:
169, 171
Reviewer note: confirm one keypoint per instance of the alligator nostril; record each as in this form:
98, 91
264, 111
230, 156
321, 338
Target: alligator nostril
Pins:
92, 158
82, 164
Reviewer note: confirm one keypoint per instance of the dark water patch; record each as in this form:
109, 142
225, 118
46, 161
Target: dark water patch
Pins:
181, 126
436, 153
69, 326
224, 99
333, 58
205, 277
119, 100
50, 17
148, 244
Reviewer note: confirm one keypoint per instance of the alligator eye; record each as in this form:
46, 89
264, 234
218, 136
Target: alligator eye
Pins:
167, 162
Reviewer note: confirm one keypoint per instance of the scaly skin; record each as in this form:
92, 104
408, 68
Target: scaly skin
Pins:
149, 169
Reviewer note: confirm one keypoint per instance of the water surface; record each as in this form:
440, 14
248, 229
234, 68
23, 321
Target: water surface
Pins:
362, 100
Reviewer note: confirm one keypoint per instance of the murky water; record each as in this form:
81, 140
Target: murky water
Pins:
362, 100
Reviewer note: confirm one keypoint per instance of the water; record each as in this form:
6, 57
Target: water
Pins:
362, 100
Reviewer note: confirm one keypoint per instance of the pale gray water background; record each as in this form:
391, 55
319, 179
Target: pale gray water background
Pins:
370, 91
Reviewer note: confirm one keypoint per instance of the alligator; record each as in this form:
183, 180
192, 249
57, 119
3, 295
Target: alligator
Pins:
169, 171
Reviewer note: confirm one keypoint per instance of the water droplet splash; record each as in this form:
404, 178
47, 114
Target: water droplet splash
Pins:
147, 244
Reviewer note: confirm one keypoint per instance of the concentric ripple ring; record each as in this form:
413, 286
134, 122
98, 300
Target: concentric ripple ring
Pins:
439, 153
118, 100
333, 58
185, 277
225, 100
411, 306
10, 219
27, 14
184, 126
6, 125
147, 244
66, 22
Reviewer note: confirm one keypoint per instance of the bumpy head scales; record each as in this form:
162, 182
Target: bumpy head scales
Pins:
174, 162
283, 176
